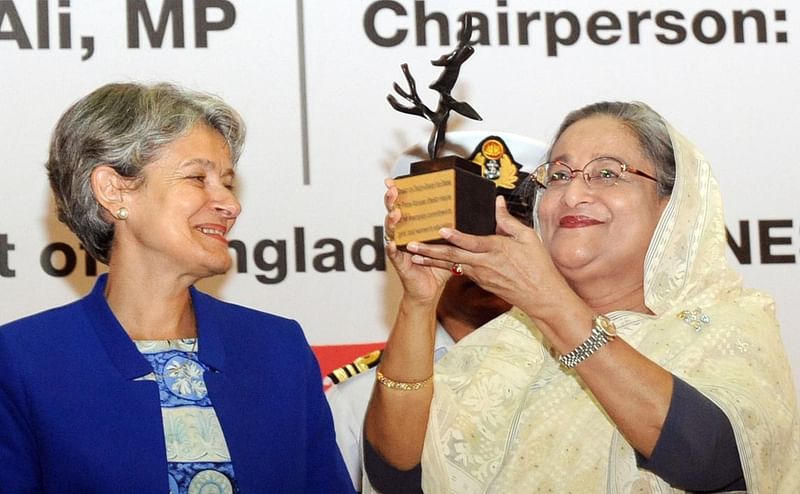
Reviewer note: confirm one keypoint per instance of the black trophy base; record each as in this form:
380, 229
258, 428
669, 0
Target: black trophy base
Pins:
444, 192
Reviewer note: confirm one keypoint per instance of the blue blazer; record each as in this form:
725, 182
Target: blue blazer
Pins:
73, 419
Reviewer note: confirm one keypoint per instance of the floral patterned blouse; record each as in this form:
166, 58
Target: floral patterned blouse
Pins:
197, 455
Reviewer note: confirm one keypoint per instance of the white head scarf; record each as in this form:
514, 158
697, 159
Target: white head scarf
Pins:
507, 418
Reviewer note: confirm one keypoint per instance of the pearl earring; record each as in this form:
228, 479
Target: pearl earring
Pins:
122, 213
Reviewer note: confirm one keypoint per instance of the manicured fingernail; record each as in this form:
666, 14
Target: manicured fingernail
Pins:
446, 232
413, 246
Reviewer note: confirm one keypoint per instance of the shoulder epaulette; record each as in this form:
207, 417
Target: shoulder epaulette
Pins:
356, 367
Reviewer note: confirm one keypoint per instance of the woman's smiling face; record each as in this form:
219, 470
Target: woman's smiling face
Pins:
600, 231
182, 212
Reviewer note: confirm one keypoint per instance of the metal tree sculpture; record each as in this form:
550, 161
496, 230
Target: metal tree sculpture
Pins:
443, 85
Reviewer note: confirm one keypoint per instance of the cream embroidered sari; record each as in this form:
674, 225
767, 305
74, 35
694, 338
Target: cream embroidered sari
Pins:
506, 418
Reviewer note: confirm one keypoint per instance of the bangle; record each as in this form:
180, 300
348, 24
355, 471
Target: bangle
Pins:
392, 384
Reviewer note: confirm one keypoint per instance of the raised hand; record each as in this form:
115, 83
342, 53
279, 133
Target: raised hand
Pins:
422, 283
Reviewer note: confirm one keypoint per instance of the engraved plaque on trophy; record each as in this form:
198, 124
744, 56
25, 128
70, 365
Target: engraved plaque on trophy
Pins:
442, 191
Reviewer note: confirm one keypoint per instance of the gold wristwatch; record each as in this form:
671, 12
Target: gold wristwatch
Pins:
603, 331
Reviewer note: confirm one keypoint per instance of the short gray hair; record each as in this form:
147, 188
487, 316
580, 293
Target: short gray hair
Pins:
648, 127
124, 126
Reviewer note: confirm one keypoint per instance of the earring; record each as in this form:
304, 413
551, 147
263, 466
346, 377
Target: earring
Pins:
122, 213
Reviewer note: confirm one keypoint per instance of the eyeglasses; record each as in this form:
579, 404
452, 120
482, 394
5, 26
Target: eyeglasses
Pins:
600, 172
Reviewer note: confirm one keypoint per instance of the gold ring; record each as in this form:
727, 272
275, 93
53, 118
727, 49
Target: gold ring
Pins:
457, 269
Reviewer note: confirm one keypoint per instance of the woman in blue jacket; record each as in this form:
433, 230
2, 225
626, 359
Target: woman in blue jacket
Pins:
147, 385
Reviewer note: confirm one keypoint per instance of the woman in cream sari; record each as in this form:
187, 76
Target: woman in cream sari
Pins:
634, 360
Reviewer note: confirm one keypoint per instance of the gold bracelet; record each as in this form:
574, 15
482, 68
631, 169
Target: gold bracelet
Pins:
392, 384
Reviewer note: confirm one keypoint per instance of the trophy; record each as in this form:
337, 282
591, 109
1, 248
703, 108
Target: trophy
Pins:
447, 191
